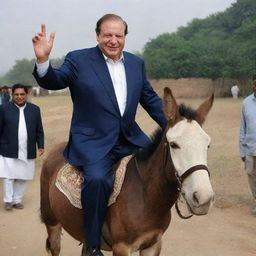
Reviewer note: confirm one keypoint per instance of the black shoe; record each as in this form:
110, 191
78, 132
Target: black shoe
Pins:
18, 206
93, 252
8, 206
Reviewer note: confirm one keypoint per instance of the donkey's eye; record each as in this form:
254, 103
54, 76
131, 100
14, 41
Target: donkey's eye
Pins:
208, 146
174, 145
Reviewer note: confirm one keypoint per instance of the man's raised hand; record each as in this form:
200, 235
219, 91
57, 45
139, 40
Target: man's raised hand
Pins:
42, 45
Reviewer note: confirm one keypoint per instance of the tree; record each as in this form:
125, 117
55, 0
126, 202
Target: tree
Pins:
170, 57
21, 72
221, 45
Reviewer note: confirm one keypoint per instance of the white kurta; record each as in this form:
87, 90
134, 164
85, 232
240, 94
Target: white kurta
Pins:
21, 168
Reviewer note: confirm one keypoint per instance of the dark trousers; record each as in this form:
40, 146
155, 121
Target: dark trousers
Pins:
96, 189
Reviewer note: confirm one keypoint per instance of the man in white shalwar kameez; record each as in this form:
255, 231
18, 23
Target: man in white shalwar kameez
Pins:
18, 166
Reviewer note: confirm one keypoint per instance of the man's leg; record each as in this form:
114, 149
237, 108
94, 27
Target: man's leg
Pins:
18, 193
250, 168
8, 193
8, 190
97, 188
95, 192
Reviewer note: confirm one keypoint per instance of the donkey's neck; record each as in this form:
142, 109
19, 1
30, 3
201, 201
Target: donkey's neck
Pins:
159, 184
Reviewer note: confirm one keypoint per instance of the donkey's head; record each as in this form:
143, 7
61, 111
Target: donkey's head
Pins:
188, 144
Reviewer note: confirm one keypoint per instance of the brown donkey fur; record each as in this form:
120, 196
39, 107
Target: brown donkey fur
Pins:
141, 214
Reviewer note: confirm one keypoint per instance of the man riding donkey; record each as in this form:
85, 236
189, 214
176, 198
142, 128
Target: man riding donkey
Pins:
106, 85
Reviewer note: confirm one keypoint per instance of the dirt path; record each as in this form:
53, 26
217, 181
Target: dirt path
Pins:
223, 232
228, 230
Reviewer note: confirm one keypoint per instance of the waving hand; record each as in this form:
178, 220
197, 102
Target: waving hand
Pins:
42, 45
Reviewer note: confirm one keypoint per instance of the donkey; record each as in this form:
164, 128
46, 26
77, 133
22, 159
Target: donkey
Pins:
175, 163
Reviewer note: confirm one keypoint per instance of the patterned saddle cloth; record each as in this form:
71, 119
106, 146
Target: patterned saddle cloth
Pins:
69, 179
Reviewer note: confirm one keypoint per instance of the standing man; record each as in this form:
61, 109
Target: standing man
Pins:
234, 91
20, 130
247, 139
106, 85
5, 95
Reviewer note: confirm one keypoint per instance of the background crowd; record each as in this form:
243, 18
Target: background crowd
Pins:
5, 95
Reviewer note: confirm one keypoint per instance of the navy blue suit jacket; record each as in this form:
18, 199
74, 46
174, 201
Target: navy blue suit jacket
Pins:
9, 124
96, 121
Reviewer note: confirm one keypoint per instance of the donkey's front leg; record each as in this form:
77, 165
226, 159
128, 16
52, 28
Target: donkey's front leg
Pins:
121, 249
154, 250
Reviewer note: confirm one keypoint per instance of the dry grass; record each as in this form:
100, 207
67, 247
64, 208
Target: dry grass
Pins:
222, 124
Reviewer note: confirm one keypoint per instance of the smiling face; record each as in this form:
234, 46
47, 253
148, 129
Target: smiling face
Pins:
111, 38
19, 97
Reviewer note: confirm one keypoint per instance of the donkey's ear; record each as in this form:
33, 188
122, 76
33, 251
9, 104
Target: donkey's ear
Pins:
171, 109
203, 109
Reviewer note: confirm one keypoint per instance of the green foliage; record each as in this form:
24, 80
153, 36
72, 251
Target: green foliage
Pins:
21, 72
221, 45
177, 60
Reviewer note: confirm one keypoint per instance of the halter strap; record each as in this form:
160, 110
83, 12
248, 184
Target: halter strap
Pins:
182, 178
193, 169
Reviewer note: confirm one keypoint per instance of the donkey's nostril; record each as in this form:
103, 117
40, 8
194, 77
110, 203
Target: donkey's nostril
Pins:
196, 197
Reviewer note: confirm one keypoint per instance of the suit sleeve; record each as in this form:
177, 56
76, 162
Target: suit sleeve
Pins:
39, 131
242, 134
1, 119
58, 78
151, 102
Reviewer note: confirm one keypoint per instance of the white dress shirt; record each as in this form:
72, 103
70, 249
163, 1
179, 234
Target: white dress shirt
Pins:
118, 77
42, 68
22, 135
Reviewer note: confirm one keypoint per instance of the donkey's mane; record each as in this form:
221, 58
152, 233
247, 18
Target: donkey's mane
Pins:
145, 153
187, 112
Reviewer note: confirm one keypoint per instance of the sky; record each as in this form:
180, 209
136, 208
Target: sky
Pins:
74, 22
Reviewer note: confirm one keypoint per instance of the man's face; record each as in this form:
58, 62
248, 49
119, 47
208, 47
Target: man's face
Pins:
111, 38
19, 97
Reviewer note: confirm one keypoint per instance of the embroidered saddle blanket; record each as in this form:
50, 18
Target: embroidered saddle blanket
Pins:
69, 180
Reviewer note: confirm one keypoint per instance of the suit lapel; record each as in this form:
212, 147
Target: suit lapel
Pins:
101, 69
129, 80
